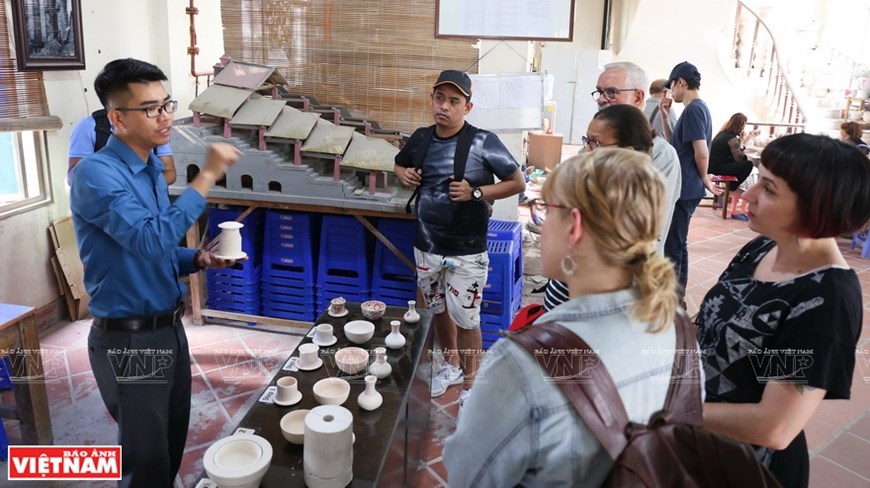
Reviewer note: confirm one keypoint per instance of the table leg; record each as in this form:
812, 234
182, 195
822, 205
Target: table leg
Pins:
30, 396
195, 278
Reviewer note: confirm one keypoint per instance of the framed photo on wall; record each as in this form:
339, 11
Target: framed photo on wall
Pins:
48, 34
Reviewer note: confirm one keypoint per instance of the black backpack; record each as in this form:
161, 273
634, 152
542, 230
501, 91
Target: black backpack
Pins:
102, 129
673, 448
460, 157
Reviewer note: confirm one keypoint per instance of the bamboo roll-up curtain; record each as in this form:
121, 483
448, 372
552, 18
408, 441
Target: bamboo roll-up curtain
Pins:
378, 57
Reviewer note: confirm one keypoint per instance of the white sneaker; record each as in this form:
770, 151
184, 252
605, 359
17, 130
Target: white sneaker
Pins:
448, 375
463, 397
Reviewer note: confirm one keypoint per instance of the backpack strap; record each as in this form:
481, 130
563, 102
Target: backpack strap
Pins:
593, 394
102, 128
652, 116
683, 402
460, 156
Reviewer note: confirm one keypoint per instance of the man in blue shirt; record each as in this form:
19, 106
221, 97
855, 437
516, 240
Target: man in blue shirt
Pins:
127, 234
691, 138
452, 214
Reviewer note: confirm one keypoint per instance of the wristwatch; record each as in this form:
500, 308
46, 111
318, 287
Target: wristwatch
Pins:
476, 193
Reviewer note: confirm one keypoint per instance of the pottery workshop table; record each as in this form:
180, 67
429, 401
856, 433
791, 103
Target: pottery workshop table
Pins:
20, 340
389, 439
193, 241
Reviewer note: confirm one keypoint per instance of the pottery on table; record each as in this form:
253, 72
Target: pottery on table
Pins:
323, 335
395, 339
308, 357
412, 316
380, 368
336, 306
373, 309
238, 461
351, 360
331, 391
370, 399
287, 392
293, 426
359, 331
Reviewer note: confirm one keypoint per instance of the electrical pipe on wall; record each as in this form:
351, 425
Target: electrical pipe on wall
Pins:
192, 50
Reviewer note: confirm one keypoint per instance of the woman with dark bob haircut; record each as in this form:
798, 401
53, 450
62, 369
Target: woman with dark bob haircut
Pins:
779, 330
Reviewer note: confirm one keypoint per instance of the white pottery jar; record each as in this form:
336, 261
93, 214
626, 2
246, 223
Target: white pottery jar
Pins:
230, 245
412, 316
395, 339
370, 399
380, 368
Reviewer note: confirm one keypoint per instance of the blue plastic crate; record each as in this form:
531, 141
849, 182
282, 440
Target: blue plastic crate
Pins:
344, 252
301, 315
401, 234
244, 271
504, 230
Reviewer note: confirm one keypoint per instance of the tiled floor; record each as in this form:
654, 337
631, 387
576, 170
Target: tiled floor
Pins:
230, 366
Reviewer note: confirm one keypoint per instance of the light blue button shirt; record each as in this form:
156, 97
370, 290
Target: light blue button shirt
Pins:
128, 232
518, 429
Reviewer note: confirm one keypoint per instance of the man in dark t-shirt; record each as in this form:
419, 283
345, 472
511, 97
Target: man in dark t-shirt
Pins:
452, 216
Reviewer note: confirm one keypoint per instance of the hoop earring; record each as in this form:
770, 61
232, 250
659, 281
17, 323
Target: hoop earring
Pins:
569, 266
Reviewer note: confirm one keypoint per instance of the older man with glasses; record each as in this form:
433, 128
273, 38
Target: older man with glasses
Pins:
623, 83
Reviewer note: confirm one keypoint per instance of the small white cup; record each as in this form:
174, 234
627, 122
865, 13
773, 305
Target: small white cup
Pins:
308, 354
287, 389
336, 305
323, 333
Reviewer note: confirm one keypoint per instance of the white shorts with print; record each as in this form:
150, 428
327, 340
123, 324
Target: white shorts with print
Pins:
456, 282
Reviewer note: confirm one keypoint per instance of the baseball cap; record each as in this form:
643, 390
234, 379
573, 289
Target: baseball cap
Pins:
456, 78
684, 70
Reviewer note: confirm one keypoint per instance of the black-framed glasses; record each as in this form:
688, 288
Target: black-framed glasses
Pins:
153, 111
609, 93
538, 209
592, 144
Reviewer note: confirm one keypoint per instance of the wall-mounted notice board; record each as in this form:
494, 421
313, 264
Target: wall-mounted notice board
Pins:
535, 20
507, 101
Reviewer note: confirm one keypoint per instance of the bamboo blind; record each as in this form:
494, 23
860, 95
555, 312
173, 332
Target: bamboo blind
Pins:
379, 58
22, 94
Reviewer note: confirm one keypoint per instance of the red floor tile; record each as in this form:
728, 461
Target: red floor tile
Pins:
819, 433
861, 428
439, 469
221, 354
237, 378
824, 473
841, 413
851, 452
427, 479
207, 424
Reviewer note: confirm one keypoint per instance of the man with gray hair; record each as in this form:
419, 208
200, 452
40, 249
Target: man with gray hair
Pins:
624, 83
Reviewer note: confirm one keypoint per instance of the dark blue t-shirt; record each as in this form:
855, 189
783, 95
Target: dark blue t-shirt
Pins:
694, 124
454, 228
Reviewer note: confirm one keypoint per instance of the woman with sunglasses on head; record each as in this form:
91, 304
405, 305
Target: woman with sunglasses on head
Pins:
627, 127
601, 214
779, 331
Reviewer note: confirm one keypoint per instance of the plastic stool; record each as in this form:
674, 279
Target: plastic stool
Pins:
737, 198
723, 182
860, 239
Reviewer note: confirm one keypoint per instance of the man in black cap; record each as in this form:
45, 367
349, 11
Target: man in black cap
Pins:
452, 167
691, 138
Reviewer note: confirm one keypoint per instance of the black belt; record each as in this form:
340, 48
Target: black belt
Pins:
141, 324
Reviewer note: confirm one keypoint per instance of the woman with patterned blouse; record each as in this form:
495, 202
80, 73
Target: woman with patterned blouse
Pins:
778, 332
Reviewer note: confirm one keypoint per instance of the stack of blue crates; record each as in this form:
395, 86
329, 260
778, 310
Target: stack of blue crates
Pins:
237, 289
503, 294
393, 282
343, 267
289, 264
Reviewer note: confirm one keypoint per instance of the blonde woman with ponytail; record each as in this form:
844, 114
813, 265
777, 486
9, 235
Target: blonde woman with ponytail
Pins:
600, 216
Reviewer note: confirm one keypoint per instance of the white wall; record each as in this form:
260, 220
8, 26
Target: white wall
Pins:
152, 30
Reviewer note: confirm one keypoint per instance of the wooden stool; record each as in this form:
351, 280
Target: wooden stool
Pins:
722, 182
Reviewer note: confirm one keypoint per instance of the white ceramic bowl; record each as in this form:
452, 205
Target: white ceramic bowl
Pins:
238, 461
293, 426
359, 331
373, 309
351, 360
331, 391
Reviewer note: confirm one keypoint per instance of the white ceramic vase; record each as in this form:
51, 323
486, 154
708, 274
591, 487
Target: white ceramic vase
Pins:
370, 399
412, 316
380, 368
395, 339
230, 244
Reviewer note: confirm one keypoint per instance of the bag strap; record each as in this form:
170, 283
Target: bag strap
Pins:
683, 402
652, 116
594, 394
592, 391
460, 155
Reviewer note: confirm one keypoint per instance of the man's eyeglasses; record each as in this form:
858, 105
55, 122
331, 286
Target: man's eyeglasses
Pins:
592, 144
538, 209
609, 93
153, 111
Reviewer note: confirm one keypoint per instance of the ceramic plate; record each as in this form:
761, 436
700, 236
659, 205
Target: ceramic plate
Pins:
346, 311
238, 256
293, 401
312, 367
324, 344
